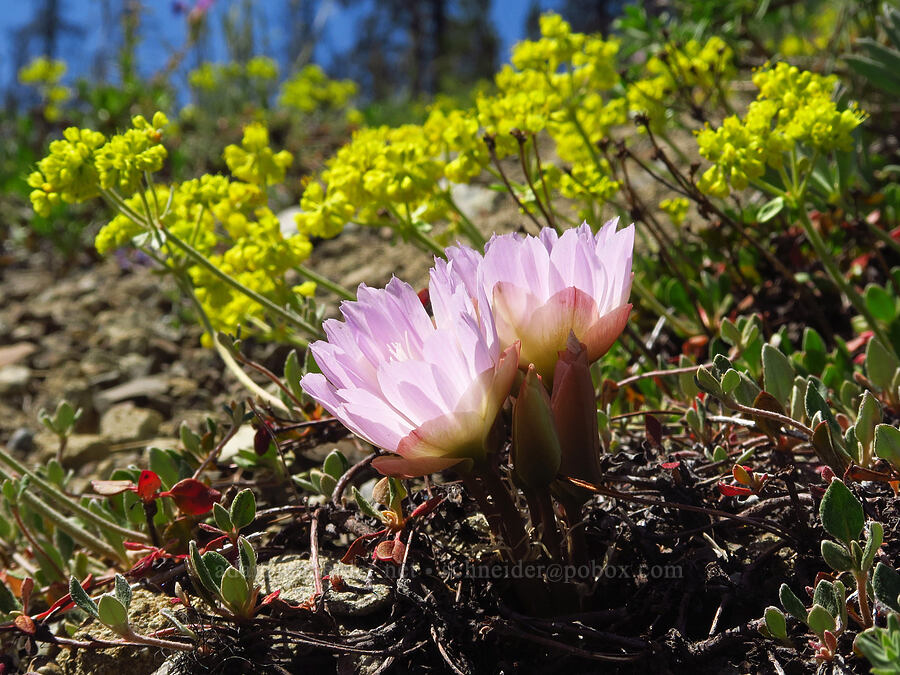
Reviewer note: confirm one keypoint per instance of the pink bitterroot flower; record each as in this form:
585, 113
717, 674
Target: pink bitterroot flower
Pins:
427, 391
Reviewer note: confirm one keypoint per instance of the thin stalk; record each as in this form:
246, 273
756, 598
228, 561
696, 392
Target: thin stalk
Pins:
415, 233
491, 146
87, 539
511, 517
204, 262
862, 596
35, 545
883, 236
467, 226
224, 353
525, 170
325, 282
51, 491
537, 158
650, 300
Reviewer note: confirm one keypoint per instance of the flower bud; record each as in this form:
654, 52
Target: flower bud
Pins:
575, 413
535, 449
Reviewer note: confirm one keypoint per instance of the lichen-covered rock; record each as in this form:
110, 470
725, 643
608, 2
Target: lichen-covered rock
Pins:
293, 574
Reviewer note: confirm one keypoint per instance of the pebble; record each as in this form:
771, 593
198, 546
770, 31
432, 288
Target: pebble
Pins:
14, 379
125, 422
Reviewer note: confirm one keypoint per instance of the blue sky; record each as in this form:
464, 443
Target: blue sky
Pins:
164, 31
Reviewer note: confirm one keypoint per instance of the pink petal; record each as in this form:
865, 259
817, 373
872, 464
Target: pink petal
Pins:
604, 333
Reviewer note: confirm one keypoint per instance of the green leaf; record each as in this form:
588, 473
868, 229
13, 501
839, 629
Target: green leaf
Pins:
880, 364
365, 506
81, 598
776, 623
886, 582
875, 72
824, 596
247, 560
705, 381
880, 303
730, 332
841, 513
770, 209
112, 614
243, 508
791, 603
819, 620
180, 626
216, 564
778, 374
234, 590
327, 484
867, 418
123, 590
815, 355
873, 542
198, 566
826, 451
836, 556
189, 439
730, 380
163, 464
335, 464
223, 520
887, 443
815, 402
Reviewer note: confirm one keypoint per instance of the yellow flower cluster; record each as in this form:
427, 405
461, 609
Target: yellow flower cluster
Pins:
126, 157
254, 161
45, 75
562, 84
212, 76
67, 173
83, 162
676, 208
691, 73
383, 169
311, 89
794, 110
225, 220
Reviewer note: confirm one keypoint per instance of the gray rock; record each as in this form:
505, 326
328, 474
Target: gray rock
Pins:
84, 448
134, 366
14, 379
286, 222
21, 440
474, 200
150, 388
293, 574
125, 422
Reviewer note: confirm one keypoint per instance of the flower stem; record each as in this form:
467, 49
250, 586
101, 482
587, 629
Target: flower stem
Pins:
865, 612
54, 494
324, 282
204, 262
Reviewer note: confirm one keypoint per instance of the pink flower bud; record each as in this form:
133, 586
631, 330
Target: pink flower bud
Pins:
575, 413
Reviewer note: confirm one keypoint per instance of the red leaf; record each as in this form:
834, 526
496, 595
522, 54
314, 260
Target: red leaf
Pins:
25, 624
427, 507
391, 550
192, 496
669, 466
358, 547
271, 597
108, 488
148, 485
733, 490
